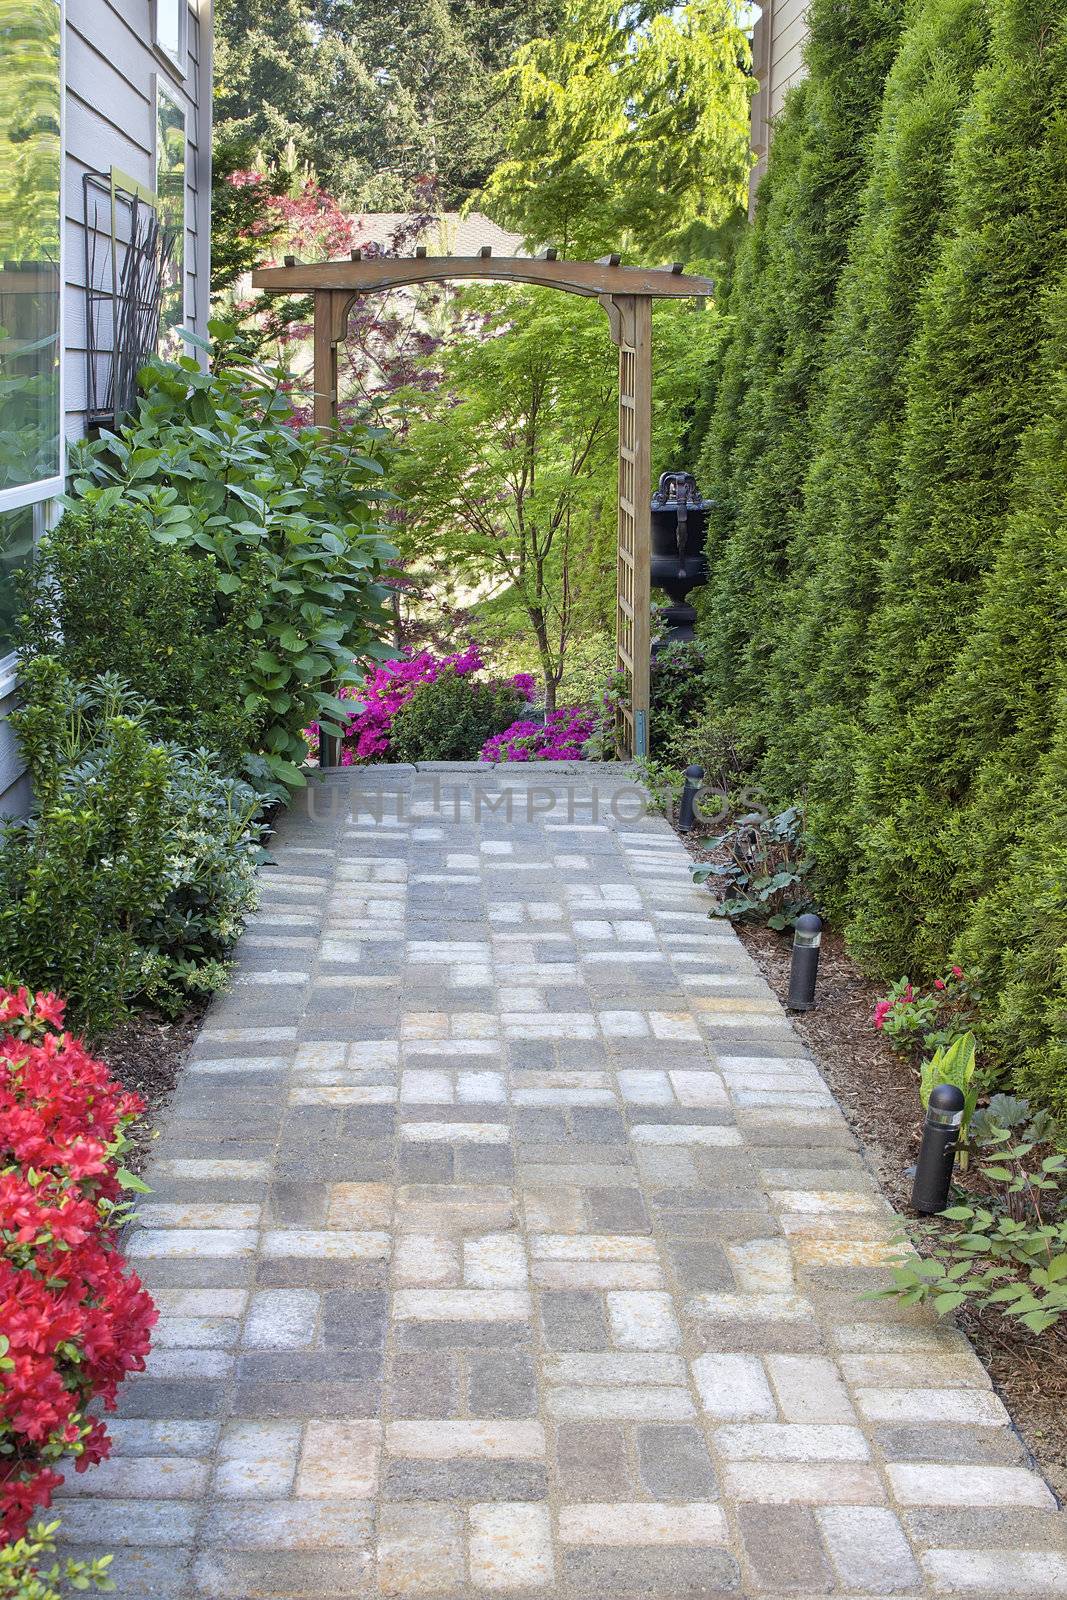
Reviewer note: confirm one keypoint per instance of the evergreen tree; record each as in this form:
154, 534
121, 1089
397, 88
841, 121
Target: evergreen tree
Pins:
377, 96
972, 392
819, 675
812, 207
1000, 726
630, 132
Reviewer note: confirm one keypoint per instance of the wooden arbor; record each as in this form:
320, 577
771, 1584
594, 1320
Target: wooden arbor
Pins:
626, 293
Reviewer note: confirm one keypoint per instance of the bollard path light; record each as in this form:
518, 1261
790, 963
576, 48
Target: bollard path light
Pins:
941, 1136
694, 777
804, 966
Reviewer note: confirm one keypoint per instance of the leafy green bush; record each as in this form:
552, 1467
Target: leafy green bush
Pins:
217, 466
1011, 1251
103, 595
213, 851
135, 870
28, 1573
762, 879
451, 718
89, 867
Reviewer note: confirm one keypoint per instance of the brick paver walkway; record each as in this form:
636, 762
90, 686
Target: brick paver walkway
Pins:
507, 1242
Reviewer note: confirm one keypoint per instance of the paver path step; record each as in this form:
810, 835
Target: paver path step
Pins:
508, 1242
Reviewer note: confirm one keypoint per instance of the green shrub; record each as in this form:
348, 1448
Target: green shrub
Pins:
217, 466
29, 1570
451, 718
760, 456
134, 872
104, 596
89, 867
891, 639
214, 850
819, 674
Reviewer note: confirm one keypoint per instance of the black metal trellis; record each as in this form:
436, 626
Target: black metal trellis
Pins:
127, 252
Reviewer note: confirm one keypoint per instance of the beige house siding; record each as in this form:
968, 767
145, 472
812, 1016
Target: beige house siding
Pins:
777, 62
110, 67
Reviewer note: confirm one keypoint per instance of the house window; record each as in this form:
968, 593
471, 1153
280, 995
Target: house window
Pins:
169, 23
31, 435
170, 189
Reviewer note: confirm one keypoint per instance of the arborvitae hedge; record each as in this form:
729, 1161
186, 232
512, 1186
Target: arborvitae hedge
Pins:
889, 582
973, 388
760, 445
819, 677
1006, 700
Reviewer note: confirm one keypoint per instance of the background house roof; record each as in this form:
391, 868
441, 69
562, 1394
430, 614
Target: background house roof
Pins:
449, 233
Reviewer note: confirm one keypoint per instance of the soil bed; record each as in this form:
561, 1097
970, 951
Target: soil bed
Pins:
878, 1092
146, 1055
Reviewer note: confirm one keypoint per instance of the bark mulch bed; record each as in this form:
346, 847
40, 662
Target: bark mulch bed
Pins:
878, 1093
146, 1054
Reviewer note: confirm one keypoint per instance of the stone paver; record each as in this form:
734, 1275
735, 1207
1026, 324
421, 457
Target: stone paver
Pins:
506, 1241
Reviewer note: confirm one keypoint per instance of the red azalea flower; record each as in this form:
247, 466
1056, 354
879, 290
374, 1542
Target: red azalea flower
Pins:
76, 1320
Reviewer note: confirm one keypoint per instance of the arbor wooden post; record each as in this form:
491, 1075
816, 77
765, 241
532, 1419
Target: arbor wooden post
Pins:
630, 317
324, 413
325, 375
626, 293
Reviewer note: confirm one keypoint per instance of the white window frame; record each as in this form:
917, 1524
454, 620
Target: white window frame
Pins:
179, 62
162, 86
46, 489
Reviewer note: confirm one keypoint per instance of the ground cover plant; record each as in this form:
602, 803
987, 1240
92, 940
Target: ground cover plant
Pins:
1005, 1246
75, 1320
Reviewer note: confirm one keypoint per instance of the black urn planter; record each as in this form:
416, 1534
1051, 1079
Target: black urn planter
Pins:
679, 564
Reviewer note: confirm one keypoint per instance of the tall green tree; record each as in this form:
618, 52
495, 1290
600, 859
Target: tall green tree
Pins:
761, 439
630, 129
375, 97
508, 464
819, 674
507, 485
973, 390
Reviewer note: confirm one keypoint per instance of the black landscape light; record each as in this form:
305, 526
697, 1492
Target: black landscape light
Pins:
941, 1136
804, 966
694, 777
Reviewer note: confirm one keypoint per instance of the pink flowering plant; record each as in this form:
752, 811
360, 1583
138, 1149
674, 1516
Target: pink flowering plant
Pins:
377, 702
562, 736
916, 1020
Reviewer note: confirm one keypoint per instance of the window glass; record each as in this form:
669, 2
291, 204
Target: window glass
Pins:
30, 166
169, 28
16, 547
170, 187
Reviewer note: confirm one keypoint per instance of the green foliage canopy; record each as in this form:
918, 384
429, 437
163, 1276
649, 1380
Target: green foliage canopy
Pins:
630, 133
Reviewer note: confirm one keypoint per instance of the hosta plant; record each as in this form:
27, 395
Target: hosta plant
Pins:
956, 1064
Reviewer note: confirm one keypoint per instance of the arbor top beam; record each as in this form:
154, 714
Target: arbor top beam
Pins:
390, 272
